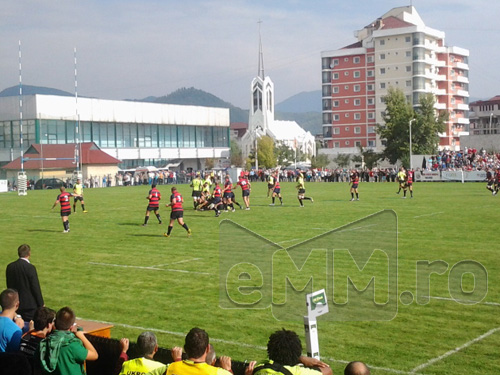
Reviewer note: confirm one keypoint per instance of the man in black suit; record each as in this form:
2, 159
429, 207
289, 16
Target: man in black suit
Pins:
22, 276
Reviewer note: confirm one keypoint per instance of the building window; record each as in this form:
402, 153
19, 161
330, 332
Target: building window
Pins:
356, 60
346, 59
346, 129
335, 76
346, 115
408, 68
336, 117
335, 89
346, 101
408, 39
369, 59
370, 101
357, 143
369, 87
371, 115
382, 70
370, 73
346, 143
357, 130
357, 88
346, 87
346, 74
357, 116
371, 143
382, 56
336, 144
336, 130
335, 62
357, 74
382, 42
371, 129
336, 103
408, 53
357, 102
382, 85
408, 83
382, 99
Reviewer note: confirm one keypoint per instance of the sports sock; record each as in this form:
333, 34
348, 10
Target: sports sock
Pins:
357, 195
300, 201
158, 217
83, 207
273, 200
169, 229
74, 207
185, 226
146, 218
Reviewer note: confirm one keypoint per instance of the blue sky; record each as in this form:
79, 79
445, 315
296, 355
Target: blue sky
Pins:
137, 48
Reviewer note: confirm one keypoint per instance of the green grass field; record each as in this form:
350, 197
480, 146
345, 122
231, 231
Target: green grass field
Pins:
110, 268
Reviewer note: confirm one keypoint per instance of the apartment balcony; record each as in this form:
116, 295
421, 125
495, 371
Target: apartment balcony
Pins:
462, 79
440, 105
463, 107
437, 91
461, 65
463, 121
463, 93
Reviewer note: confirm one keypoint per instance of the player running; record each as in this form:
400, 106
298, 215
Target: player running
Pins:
354, 184
197, 185
301, 189
78, 195
177, 213
245, 190
64, 200
270, 184
228, 195
154, 198
276, 189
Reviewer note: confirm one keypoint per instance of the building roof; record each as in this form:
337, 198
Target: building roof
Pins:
494, 100
91, 154
354, 45
394, 23
287, 130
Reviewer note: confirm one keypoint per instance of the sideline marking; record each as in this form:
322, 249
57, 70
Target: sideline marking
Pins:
295, 239
148, 268
434, 213
178, 262
456, 350
466, 301
223, 341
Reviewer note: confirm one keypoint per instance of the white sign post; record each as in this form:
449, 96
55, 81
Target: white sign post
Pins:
316, 305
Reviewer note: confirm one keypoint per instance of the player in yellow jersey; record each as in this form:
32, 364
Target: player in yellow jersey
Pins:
197, 185
78, 195
401, 177
301, 189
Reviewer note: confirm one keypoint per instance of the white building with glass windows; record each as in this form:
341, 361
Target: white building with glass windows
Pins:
137, 133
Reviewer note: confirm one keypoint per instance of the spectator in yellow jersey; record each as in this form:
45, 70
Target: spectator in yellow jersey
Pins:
148, 346
78, 195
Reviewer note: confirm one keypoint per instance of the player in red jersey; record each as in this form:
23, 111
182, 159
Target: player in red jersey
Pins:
408, 183
354, 185
245, 190
276, 189
64, 200
177, 213
490, 178
217, 199
154, 197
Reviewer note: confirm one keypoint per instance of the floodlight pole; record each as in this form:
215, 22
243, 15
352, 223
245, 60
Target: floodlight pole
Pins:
411, 164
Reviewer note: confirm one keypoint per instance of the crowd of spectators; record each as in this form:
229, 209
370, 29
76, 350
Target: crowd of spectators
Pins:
469, 159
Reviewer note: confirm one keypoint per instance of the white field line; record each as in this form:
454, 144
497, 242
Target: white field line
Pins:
466, 301
454, 351
148, 268
178, 262
295, 239
229, 342
434, 213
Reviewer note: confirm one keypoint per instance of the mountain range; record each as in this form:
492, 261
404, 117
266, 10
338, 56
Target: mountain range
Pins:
304, 108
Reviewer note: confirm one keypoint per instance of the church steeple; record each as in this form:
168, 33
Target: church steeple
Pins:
260, 72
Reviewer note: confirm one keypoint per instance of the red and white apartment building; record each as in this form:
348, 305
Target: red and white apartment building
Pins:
397, 50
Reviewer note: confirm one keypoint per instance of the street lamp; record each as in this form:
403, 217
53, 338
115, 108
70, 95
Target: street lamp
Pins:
411, 164
491, 116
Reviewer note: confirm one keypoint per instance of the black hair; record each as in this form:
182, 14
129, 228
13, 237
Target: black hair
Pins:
284, 347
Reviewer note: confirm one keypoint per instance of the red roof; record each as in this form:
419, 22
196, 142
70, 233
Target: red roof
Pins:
494, 100
394, 23
91, 154
354, 45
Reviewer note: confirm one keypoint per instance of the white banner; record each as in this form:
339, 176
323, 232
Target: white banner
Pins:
467, 175
4, 187
427, 176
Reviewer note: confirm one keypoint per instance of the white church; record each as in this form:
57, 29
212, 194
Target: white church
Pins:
261, 120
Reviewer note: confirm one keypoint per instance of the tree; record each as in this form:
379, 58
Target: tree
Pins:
368, 157
209, 163
236, 155
342, 160
284, 155
320, 161
396, 128
265, 152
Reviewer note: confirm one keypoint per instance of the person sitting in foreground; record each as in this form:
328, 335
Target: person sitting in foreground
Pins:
356, 368
11, 323
66, 349
284, 350
197, 349
147, 346
43, 324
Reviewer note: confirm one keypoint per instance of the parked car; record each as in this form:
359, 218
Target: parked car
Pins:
49, 183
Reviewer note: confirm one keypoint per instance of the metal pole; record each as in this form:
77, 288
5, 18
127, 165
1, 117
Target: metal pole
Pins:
21, 109
411, 164
491, 116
